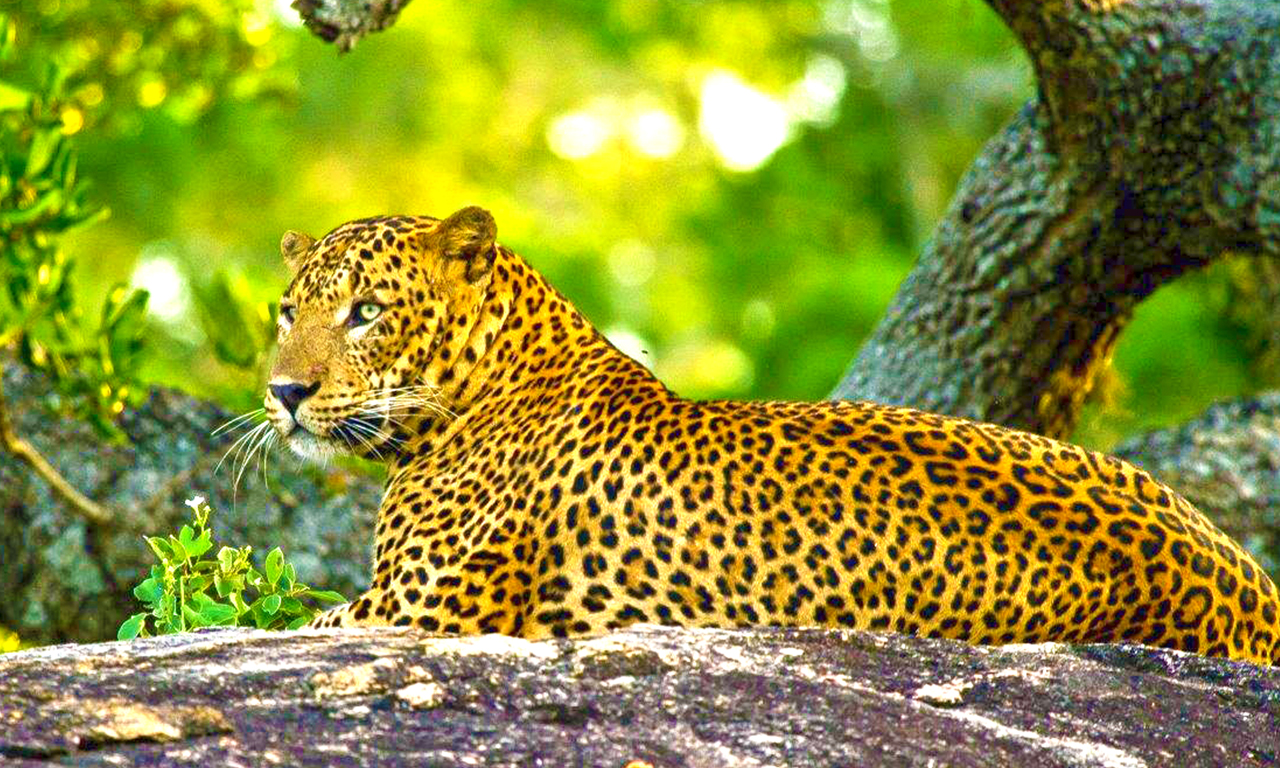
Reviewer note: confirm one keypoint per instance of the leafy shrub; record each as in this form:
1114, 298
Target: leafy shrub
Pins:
42, 199
187, 590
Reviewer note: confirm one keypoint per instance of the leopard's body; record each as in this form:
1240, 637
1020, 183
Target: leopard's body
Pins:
541, 483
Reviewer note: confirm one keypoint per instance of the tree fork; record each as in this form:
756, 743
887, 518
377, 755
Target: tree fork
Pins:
1152, 149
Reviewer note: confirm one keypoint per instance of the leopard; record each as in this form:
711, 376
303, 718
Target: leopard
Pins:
540, 483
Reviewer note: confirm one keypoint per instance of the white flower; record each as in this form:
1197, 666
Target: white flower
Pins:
195, 502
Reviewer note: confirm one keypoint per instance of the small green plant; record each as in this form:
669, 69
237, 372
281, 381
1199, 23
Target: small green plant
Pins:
187, 590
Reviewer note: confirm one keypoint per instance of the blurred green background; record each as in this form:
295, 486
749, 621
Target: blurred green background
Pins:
730, 190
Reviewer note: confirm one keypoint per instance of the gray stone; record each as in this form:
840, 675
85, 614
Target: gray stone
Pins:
668, 697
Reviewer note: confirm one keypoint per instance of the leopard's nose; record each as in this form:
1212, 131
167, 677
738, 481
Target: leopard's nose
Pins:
291, 395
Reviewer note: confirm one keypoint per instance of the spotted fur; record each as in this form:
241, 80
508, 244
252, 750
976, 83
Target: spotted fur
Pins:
541, 483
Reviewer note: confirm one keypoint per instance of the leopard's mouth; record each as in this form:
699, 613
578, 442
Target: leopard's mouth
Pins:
367, 430
360, 434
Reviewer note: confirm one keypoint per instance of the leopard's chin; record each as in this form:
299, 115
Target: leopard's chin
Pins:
313, 447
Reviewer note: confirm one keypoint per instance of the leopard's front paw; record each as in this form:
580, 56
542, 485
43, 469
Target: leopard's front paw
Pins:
330, 618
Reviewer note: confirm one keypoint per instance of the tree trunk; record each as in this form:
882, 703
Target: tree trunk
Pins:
1152, 149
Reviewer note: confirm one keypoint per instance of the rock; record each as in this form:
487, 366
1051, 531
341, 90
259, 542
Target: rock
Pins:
66, 580
653, 696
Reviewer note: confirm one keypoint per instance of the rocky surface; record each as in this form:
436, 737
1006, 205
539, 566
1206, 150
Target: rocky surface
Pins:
666, 697
64, 579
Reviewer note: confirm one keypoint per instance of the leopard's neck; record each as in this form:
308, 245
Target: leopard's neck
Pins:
525, 344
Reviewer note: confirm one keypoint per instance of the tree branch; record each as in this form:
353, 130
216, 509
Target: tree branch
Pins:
1227, 462
1151, 150
78, 502
344, 22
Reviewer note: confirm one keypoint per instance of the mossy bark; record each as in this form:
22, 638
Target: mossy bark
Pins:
1152, 149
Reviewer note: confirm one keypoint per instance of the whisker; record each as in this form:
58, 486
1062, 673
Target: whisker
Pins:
355, 427
237, 422
270, 442
380, 433
412, 399
260, 436
237, 445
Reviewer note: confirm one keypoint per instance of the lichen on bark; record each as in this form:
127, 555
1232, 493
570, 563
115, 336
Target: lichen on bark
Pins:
344, 22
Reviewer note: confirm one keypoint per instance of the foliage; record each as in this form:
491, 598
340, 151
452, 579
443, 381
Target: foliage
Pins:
729, 281
240, 330
9, 641
188, 590
125, 59
41, 200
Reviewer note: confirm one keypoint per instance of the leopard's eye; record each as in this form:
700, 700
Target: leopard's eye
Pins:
365, 312
288, 314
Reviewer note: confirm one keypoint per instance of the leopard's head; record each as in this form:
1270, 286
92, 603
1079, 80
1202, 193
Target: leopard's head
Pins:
369, 322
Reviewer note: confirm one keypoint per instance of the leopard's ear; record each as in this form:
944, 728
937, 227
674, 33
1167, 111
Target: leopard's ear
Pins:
293, 248
466, 239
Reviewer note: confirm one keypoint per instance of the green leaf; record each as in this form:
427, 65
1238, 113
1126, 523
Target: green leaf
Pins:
199, 583
8, 35
43, 146
198, 600
161, 548
227, 559
261, 619
149, 591
44, 205
194, 546
274, 566
271, 604
217, 613
200, 545
172, 624
131, 627
326, 595
301, 621
125, 311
